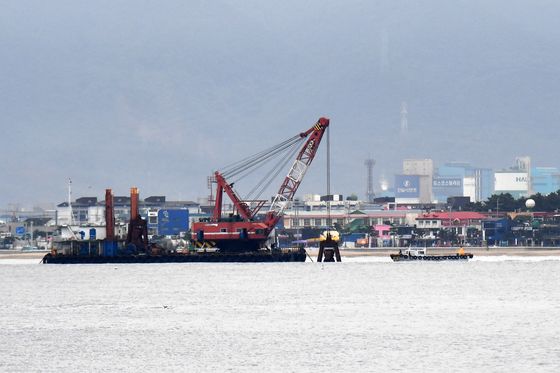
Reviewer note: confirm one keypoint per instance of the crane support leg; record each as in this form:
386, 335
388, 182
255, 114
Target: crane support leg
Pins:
328, 250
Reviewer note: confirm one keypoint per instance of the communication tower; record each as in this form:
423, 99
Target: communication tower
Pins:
370, 194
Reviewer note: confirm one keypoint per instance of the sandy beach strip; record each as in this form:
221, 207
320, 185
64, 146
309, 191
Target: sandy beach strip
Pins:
14, 254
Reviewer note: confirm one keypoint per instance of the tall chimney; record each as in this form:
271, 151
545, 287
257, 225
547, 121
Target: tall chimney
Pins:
109, 215
133, 203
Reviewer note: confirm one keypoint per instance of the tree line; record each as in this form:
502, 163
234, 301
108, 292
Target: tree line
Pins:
506, 202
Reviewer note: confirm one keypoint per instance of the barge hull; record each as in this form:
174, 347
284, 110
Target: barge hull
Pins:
295, 256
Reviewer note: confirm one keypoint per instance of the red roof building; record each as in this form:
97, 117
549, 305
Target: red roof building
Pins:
437, 220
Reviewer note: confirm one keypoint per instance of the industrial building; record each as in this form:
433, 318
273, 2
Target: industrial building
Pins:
545, 180
455, 179
513, 182
516, 180
419, 172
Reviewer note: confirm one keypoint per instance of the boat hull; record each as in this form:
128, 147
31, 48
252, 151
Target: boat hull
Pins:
415, 258
251, 257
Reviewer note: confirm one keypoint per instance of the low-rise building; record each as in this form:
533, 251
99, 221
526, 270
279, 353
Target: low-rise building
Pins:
459, 223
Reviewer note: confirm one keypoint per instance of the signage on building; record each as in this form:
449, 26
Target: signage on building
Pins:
172, 222
407, 186
511, 181
445, 182
444, 187
20, 230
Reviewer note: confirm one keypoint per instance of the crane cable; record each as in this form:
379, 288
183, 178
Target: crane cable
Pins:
288, 148
231, 166
281, 165
281, 155
250, 161
249, 167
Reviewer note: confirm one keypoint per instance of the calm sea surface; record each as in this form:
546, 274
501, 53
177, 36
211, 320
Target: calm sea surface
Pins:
363, 315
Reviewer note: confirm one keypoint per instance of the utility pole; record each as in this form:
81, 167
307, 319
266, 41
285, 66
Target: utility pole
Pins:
71, 220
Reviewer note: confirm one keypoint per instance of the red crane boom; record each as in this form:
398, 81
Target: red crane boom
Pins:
292, 181
243, 232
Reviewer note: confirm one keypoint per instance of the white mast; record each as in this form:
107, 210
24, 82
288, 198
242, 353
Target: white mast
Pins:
70, 221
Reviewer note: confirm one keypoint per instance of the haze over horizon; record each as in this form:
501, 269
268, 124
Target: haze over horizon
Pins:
158, 95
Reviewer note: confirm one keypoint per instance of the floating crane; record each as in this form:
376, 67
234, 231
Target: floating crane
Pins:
243, 230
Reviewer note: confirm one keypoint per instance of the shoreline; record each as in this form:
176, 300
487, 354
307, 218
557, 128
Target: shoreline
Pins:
476, 251
14, 254
375, 252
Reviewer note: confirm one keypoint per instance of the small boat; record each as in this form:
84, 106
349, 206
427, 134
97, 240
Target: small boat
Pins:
415, 254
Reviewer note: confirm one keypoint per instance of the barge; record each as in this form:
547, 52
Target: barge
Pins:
411, 255
241, 235
136, 248
295, 255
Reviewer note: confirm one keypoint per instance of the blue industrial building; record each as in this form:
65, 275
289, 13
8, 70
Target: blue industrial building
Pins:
484, 177
450, 178
495, 231
447, 186
545, 180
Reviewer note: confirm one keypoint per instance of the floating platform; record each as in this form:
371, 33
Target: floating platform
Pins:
298, 255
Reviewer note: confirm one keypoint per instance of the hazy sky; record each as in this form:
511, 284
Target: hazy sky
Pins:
158, 94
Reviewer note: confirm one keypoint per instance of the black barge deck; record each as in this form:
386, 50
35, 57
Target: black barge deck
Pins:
207, 257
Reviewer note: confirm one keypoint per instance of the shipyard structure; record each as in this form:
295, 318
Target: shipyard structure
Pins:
245, 233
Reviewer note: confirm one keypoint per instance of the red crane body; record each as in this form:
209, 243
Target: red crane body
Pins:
241, 231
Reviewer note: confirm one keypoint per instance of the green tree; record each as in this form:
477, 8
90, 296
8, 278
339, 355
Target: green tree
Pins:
502, 202
506, 202
473, 206
352, 197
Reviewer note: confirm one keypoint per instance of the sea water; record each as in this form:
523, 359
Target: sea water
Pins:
362, 315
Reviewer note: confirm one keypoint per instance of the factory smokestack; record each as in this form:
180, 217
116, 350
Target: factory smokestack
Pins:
133, 203
109, 215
